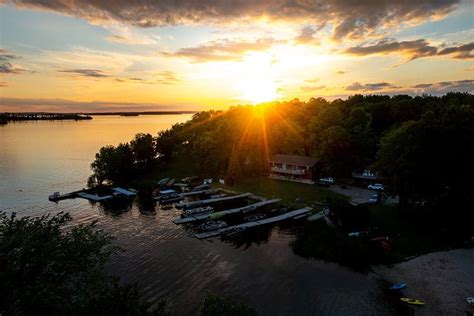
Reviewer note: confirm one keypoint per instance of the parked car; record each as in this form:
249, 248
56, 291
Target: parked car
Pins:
375, 186
328, 180
374, 198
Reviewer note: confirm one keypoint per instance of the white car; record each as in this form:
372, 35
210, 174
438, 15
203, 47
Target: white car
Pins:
328, 180
375, 186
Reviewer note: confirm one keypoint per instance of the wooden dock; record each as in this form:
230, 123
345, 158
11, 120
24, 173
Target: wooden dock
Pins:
319, 215
209, 201
265, 221
216, 215
186, 194
92, 197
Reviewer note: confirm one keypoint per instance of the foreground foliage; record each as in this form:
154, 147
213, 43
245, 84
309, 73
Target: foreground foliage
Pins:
48, 267
214, 305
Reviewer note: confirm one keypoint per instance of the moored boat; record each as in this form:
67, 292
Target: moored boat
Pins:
254, 217
233, 232
198, 210
212, 225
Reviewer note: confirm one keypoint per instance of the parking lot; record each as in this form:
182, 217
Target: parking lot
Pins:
360, 195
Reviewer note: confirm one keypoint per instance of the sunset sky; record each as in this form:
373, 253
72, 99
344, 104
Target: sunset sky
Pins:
93, 55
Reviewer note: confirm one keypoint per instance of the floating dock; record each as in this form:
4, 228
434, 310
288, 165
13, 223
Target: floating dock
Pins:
58, 197
124, 192
209, 201
319, 215
185, 194
94, 198
265, 221
216, 215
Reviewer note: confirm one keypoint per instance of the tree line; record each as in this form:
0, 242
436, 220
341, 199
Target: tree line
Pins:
421, 146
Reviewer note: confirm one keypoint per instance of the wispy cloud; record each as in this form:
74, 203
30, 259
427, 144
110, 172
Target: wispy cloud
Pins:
85, 72
444, 87
307, 35
64, 105
459, 52
222, 50
312, 88
412, 49
357, 86
6, 63
346, 18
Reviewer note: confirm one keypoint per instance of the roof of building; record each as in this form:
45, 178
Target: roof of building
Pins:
294, 160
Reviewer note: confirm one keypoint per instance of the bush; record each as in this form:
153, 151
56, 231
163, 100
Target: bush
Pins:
50, 268
214, 305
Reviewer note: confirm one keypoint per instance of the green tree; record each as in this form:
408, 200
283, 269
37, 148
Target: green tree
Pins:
113, 163
143, 149
214, 305
48, 268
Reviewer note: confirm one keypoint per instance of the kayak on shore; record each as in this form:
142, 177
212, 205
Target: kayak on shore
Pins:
412, 301
398, 286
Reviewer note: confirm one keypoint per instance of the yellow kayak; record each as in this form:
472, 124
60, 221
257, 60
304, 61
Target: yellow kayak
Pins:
412, 301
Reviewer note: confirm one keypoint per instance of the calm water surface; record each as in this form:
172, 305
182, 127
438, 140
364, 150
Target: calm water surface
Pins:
38, 158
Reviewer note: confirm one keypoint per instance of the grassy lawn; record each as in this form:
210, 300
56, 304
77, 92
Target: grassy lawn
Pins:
291, 193
410, 236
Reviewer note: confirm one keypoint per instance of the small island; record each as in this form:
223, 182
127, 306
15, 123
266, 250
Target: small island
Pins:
41, 116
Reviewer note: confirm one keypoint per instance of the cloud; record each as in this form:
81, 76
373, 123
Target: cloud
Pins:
459, 52
222, 50
163, 77
346, 18
64, 105
167, 77
356, 86
306, 35
6, 66
86, 72
412, 49
312, 80
312, 88
123, 35
444, 87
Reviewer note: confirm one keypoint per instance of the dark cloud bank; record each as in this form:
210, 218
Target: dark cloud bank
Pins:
348, 18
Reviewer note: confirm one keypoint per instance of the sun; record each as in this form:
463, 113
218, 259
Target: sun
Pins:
259, 90
257, 83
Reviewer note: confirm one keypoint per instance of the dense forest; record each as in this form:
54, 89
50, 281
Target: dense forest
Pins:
421, 146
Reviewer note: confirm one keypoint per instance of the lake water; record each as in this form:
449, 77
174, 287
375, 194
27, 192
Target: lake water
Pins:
38, 158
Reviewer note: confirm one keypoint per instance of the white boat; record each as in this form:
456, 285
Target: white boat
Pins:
254, 217
233, 232
212, 225
198, 210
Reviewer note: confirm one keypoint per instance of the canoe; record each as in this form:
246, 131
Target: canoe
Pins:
412, 301
398, 286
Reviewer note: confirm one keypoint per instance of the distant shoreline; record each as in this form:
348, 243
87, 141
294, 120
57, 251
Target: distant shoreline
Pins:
6, 117
101, 113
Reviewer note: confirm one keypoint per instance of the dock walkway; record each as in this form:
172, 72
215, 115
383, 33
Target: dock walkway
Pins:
209, 201
265, 221
217, 215
94, 198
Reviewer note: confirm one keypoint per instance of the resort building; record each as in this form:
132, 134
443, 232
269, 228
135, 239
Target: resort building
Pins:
294, 168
